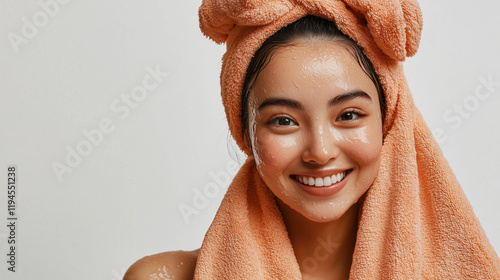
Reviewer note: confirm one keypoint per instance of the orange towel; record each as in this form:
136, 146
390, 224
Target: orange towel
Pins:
415, 221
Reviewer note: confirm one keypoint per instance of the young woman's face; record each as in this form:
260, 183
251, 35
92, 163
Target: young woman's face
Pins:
315, 129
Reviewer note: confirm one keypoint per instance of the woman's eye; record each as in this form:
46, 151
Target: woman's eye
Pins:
283, 121
349, 116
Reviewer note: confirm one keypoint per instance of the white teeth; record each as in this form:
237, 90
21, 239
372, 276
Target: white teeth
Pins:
320, 182
334, 179
327, 181
311, 181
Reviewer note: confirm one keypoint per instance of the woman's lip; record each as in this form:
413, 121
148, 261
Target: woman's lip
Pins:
321, 173
325, 191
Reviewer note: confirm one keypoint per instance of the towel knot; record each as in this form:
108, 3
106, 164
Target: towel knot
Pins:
395, 25
219, 17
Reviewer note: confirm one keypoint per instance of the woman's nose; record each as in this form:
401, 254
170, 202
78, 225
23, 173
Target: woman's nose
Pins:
320, 146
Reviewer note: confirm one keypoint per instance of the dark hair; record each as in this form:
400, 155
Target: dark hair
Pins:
308, 27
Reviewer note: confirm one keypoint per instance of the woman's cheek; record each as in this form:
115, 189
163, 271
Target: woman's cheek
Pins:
364, 145
276, 151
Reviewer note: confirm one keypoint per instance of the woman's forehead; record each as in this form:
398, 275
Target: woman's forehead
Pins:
311, 67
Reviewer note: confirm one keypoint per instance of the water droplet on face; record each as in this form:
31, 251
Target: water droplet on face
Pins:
271, 154
361, 135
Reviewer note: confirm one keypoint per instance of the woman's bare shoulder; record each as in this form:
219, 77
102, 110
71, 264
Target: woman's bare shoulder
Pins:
166, 265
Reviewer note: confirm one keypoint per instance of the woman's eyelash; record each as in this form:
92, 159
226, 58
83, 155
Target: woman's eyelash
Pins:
351, 113
282, 121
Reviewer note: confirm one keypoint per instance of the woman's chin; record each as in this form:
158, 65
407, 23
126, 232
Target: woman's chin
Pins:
319, 217
315, 212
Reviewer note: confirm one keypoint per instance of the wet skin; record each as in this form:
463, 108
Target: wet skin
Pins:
313, 112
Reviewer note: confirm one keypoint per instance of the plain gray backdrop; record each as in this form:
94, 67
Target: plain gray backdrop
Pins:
142, 75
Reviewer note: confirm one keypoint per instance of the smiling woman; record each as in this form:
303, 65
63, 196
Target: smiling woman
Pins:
343, 178
316, 136
314, 114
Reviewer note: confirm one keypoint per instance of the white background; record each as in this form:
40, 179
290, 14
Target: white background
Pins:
121, 202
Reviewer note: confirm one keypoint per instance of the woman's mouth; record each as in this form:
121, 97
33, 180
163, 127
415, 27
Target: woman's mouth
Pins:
321, 181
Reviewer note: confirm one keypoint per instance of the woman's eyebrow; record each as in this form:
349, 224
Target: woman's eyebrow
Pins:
281, 102
298, 106
348, 96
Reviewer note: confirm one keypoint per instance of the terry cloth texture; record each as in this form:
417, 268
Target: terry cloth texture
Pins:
415, 221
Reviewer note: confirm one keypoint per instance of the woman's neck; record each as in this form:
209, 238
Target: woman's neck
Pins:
323, 250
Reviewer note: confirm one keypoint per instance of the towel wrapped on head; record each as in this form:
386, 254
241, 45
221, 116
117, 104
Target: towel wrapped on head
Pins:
415, 221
